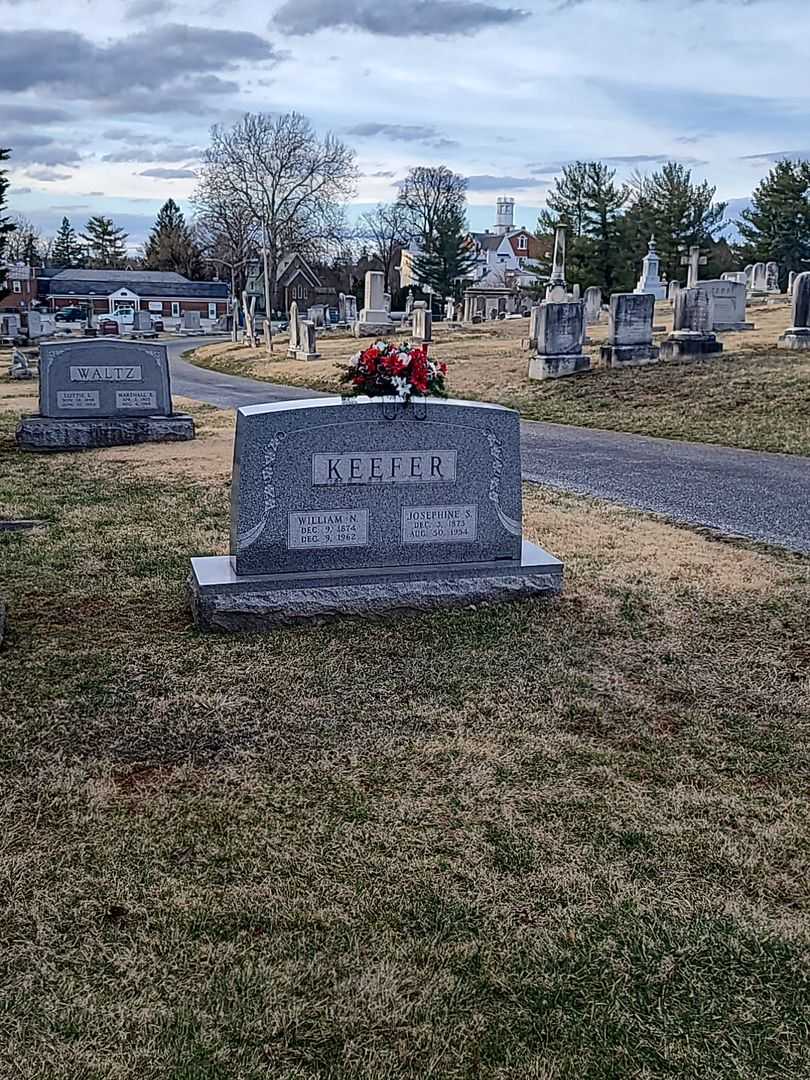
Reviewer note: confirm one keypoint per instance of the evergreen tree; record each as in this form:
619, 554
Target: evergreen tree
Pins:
448, 258
587, 199
107, 244
171, 245
67, 250
777, 225
677, 211
6, 225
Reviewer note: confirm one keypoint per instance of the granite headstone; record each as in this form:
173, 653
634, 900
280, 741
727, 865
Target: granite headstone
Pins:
560, 331
630, 332
797, 337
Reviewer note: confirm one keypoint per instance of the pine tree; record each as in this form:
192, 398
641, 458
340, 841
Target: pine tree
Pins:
6, 225
67, 251
107, 244
677, 211
449, 258
171, 245
777, 225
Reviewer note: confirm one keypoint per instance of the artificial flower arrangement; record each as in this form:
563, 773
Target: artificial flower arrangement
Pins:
386, 370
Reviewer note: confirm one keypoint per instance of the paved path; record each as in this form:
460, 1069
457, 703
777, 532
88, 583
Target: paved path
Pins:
762, 497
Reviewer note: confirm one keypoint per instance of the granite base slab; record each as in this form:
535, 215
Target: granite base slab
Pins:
797, 339
221, 601
733, 327
302, 354
376, 330
618, 356
682, 348
49, 433
558, 366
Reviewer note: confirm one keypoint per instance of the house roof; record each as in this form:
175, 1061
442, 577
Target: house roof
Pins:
144, 283
535, 248
488, 241
123, 277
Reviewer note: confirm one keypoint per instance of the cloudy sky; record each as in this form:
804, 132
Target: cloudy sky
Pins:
107, 104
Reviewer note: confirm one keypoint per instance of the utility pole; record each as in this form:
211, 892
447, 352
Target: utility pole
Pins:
268, 313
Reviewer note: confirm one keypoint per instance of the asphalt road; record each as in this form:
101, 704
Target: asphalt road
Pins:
763, 497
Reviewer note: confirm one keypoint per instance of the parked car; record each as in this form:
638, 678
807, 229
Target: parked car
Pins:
70, 314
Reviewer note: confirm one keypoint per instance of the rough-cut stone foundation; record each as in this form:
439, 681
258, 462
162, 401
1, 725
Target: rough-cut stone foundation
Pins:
556, 367
50, 433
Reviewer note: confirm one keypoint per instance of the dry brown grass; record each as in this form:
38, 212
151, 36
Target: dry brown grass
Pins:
545, 840
753, 396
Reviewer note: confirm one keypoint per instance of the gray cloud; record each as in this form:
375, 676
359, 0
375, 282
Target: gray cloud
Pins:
140, 73
777, 155
381, 174
19, 191
34, 148
169, 174
502, 183
420, 133
32, 114
157, 151
395, 18
145, 9
47, 175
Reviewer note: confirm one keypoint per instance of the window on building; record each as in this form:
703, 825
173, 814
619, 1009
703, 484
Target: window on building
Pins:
175, 309
299, 292
523, 243
16, 286
212, 311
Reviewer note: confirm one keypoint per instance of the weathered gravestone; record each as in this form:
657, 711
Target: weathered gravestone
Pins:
593, 305
360, 506
692, 335
729, 304
673, 289
317, 315
772, 277
142, 321
422, 323
307, 348
35, 325
791, 279
20, 366
102, 393
351, 310
630, 333
295, 332
191, 321
797, 337
374, 320
560, 330
759, 280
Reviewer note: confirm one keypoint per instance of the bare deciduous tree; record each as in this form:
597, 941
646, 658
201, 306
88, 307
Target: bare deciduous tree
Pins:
432, 194
387, 228
290, 180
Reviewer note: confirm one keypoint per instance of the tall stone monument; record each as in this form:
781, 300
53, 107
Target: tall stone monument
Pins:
364, 506
630, 333
650, 280
560, 332
692, 335
102, 393
797, 337
693, 262
556, 289
374, 320
295, 332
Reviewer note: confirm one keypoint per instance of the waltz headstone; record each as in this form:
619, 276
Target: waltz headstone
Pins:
307, 347
422, 323
295, 332
102, 393
797, 337
630, 332
593, 305
692, 335
650, 280
772, 277
363, 506
374, 320
729, 304
191, 321
560, 331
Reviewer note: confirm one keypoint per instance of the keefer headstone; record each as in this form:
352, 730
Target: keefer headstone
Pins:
307, 347
650, 280
772, 277
422, 323
102, 393
374, 319
630, 333
593, 305
191, 320
694, 319
729, 304
560, 329
295, 332
797, 337
362, 506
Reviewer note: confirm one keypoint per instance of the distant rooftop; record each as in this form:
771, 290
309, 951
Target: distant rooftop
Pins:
162, 276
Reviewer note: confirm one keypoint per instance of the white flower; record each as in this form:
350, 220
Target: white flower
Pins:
401, 386
405, 358
356, 358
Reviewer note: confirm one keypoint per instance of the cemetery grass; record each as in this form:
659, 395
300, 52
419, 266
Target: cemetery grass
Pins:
546, 840
754, 396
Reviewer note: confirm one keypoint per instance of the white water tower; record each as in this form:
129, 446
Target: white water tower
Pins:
505, 216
